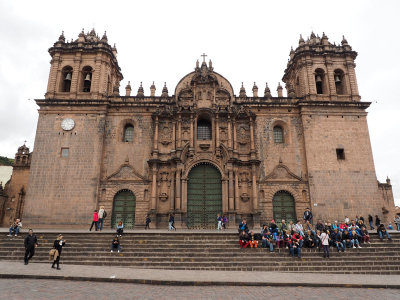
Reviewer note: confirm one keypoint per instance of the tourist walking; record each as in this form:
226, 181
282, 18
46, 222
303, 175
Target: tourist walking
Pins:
59, 243
102, 215
219, 221
371, 221
324, 237
224, 221
120, 228
30, 244
115, 244
95, 220
15, 228
171, 222
148, 221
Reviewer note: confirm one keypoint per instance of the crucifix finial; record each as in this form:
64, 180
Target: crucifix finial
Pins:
204, 57
24, 142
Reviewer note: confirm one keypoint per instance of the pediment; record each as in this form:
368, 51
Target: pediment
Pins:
282, 173
126, 172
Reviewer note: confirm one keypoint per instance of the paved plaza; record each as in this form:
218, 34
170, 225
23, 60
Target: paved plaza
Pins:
26, 289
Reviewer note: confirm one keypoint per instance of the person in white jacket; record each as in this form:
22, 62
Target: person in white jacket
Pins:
324, 237
299, 228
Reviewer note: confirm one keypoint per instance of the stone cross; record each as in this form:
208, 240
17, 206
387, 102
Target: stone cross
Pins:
204, 57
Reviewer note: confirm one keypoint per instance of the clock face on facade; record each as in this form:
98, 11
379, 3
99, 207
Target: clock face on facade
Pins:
67, 124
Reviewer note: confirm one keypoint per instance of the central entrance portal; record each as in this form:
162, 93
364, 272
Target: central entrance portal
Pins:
204, 199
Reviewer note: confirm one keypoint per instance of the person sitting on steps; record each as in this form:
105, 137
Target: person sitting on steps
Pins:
120, 228
383, 232
115, 244
244, 239
15, 228
243, 226
267, 241
253, 240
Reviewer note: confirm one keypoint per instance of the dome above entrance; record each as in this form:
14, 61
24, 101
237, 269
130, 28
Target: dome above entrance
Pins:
203, 88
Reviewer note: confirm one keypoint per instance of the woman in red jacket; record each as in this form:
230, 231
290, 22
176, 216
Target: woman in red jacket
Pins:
95, 220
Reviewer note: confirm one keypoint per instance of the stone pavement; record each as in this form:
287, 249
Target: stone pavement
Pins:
194, 278
27, 289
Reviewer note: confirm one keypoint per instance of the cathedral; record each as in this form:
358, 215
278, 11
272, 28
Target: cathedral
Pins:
200, 150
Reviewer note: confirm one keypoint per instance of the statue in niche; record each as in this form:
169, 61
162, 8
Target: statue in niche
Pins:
243, 135
166, 135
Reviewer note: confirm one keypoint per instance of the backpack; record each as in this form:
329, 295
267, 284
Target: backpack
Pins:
104, 214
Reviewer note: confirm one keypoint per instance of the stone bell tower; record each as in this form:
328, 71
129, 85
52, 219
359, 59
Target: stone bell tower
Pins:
86, 68
320, 70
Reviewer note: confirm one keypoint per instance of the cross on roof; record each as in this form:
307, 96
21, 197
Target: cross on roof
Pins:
204, 57
24, 142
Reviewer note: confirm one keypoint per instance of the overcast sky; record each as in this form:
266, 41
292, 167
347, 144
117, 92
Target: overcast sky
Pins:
161, 40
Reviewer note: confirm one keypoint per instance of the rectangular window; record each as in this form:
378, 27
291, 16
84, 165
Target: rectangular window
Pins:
64, 152
340, 154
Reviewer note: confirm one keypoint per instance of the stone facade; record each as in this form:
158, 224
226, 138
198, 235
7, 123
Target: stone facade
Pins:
312, 145
14, 191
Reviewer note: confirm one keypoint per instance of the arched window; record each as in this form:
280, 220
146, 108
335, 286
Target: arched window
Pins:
66, 79
203, 130
278, 135
87, 79
319, 81
128, 133
339, 84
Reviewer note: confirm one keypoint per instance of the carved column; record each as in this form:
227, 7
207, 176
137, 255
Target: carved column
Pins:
178, 189
231, 190
154, 189
173, 135
237, 196
155, 142
184, 195
234, 136
254, 186
216, 131
229, 133
172, 193
180, 132
224, 195
251, 134
191, 131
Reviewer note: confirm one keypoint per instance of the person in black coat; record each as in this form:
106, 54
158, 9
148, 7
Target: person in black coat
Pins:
148, 221
371, 221
58, 244
243, 227
308, 215
30, 244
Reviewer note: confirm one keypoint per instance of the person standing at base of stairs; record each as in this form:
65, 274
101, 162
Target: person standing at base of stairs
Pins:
219, 221
171, 222
102, 215
148, 221
58, 244
30, 244
95, 220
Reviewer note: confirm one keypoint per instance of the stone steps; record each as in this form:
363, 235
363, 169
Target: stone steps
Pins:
211, 251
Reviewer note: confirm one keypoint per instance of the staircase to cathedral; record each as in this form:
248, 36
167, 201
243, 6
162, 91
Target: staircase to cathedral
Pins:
205, 251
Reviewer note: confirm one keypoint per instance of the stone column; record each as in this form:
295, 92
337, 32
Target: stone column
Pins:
234, 136
180, 132
184, 195
155, 142
172, 192
231, 190
229, 133
224, 195
191, 131
251, 134
237, 196
154, 189
173, 135
178, 189
216, 132
254, 186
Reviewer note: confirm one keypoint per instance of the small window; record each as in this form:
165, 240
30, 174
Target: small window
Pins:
203, 130
340, 154
64, 152
278, 135
128, 133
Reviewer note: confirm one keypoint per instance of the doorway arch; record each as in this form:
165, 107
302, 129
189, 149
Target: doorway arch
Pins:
284, 207
124, 207
204, 196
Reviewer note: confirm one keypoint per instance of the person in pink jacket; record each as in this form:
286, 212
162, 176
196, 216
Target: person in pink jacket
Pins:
95, 220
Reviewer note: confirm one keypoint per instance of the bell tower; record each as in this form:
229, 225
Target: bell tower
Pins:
86, 68
320, 70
